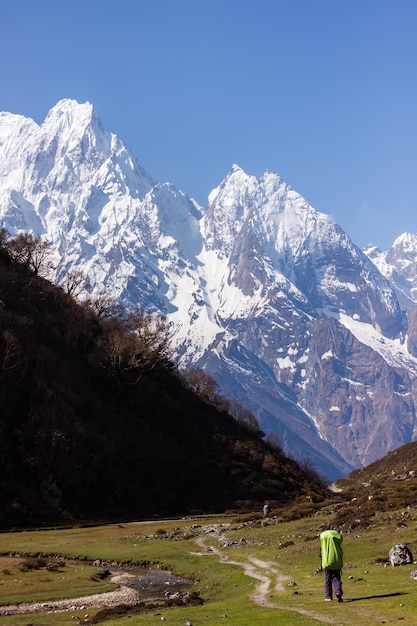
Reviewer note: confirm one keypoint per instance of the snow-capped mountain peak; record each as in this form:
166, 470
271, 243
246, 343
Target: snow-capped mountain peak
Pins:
264, 292
69, 113
399, 266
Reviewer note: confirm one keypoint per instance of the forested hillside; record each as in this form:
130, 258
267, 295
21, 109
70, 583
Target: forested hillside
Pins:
97, 424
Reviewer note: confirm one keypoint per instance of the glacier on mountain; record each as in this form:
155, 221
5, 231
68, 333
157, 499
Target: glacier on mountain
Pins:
264, 292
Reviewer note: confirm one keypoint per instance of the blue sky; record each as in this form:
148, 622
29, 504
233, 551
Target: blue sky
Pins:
322, 92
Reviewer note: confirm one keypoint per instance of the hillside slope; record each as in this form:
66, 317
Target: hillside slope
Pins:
388, 485
78, 445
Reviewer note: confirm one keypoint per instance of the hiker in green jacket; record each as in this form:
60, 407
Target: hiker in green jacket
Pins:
331, 554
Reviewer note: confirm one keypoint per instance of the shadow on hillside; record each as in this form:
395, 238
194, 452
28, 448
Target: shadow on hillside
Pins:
382, 595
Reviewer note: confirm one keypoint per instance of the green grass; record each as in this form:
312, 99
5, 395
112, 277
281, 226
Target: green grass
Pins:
40, 585
374, 593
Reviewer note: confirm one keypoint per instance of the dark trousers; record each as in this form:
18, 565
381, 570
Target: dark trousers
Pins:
332, 581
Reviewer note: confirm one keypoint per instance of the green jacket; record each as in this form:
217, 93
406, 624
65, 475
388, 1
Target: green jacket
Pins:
331, 549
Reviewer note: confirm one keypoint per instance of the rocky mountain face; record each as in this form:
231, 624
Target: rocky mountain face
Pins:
262, 291
399, 266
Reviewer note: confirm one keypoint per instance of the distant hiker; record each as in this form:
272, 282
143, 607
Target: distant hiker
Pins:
266, 509
331, 554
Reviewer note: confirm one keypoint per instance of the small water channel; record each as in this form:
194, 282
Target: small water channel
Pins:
149, 583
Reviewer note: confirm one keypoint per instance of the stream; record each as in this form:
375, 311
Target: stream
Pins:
150, 584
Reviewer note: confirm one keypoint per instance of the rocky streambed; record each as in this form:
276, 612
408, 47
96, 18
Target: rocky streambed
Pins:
136, 584
150, 584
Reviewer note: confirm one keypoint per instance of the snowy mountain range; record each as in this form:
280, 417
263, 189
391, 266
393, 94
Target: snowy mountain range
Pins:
268, 295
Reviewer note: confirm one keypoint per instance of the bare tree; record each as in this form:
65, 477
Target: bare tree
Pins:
133, 343
102, 306
13, 361
200, 382
10, 354
31, 251
244, 417
274, 442
75, 283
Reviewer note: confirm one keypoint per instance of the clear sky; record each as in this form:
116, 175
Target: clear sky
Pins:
322, 92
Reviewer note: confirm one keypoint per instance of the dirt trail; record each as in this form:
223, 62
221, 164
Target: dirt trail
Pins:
266, 572
269, 578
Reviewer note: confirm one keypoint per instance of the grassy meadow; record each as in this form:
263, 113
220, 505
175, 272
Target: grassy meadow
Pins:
247, 571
